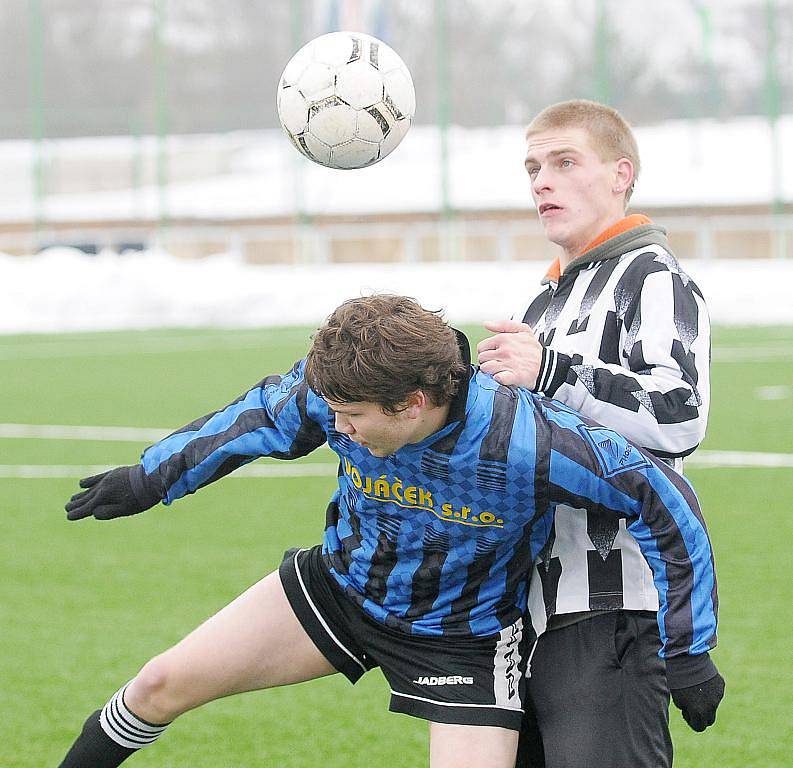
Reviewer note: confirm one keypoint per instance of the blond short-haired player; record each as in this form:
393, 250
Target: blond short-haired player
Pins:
620, 333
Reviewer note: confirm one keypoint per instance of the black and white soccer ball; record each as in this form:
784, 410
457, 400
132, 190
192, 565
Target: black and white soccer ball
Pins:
346, 100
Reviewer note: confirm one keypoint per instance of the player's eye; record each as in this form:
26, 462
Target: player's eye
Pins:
532, 170
567, 163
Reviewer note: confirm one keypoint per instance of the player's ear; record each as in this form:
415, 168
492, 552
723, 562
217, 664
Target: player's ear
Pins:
415, 403
623, 175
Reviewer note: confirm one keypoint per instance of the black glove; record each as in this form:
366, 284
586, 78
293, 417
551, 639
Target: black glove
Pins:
110, 494
699, 700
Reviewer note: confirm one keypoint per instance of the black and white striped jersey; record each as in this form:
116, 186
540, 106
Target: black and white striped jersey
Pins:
627, 343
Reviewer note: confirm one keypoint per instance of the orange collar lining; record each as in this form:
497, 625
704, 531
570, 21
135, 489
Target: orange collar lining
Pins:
623, 225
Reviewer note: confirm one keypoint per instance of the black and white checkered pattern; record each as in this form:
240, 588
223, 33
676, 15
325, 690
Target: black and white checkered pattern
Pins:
627, 340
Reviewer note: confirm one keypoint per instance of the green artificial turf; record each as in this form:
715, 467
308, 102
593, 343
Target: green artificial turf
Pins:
85, 604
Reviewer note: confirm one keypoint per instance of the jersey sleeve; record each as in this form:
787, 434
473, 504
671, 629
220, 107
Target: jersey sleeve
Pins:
658, 394
608, 476
280, 417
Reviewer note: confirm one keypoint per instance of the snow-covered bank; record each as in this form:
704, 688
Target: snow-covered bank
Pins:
258, 174
65, 290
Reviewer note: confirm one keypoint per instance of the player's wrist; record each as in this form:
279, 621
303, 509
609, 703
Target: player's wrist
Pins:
144, 489
685, 670
554, 366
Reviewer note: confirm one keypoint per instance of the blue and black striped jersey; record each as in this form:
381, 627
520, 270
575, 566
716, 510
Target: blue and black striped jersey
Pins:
439, 537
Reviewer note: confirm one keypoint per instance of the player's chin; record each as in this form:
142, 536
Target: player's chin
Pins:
554, 228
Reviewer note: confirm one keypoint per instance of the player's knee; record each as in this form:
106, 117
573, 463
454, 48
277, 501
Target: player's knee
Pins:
154, 694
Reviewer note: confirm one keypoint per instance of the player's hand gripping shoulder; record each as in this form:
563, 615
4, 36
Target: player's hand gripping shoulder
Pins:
108, 495
513, 356
697, 701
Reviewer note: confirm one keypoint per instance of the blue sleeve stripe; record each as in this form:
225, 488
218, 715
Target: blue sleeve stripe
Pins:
578, 482
248, 444
220, 422
172, 465
700, 558
687, 492
242, 431
693, 622
686, 548
649, 547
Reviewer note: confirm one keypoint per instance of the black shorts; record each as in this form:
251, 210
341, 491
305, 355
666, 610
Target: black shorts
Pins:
465, 681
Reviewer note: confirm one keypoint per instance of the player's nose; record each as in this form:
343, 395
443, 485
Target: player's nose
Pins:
541, 180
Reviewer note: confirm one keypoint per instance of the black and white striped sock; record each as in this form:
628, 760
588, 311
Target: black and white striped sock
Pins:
126, 728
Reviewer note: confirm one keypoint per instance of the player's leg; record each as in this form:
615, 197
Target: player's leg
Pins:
599, 691
254, 642
477, 746
530, 749
470, 689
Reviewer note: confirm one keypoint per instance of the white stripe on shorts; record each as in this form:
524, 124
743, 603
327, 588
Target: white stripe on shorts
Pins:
454, 703
319, 616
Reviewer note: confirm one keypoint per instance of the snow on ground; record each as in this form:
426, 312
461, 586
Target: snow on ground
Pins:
65, 290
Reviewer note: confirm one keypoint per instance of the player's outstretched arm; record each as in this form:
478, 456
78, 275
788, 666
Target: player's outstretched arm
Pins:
279, 417
119, 492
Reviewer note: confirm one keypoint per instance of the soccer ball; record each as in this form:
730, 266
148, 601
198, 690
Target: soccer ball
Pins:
346, 100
